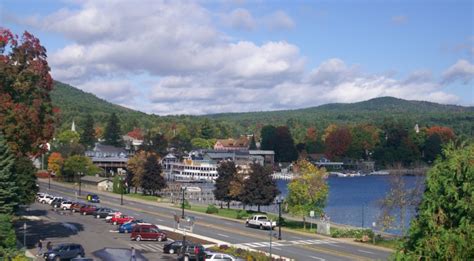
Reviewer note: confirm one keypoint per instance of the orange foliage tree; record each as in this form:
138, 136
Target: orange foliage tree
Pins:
55, 163
445, 133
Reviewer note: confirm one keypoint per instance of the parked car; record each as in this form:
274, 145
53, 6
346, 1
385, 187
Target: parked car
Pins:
260, 221
128, 227
147, 232
109, 217
192, 252
93, 198
56, 203
64, 251
43, 199
54, 199
66, 205
173, 247
39, 195
221, 257
102, 212
119, 220
87, 210
76, 207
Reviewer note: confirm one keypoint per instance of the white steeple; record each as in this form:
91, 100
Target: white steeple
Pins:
73, 126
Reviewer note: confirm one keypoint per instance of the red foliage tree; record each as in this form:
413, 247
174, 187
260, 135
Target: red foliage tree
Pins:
136, 133
338, 142
445, 133
26, 111
311, 134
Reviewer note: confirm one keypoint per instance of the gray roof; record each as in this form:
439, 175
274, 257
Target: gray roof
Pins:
261, 152
108, 149
109, 159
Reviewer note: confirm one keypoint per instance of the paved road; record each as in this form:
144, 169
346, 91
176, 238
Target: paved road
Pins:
94, 235
293, 245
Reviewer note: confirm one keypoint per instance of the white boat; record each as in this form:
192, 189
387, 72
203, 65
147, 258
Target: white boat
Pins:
379, 172
338, 174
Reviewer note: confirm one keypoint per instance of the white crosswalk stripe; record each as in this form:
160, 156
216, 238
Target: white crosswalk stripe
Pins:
150, 247
287, 243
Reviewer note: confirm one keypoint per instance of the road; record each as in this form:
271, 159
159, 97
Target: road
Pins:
293, 245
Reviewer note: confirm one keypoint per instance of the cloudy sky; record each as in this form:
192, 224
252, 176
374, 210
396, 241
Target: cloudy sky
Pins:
172, 57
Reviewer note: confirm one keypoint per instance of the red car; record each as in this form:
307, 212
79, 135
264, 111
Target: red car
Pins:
119, 220
76, 207
147, 232
87, 210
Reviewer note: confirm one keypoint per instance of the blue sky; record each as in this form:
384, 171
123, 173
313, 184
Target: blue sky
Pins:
171, 57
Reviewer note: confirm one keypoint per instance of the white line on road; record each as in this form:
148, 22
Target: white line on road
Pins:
367, 252
222, 235
113, 231
317, 258
159, 220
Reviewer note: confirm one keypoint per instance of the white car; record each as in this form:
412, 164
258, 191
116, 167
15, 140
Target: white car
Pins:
43, 199
50, 200
66, 205
260, 221
221, 257
39, 195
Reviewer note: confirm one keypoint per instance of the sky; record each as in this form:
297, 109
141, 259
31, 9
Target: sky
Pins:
201, 57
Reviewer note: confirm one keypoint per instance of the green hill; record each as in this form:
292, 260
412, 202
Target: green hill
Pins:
75, 104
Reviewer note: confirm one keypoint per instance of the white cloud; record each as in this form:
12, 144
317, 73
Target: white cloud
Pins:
278, 20
240, 19
462, 70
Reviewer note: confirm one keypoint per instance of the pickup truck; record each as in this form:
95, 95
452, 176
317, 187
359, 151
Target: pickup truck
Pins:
260, 221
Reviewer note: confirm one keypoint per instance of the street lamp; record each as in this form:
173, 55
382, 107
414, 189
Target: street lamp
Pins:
279, 201
49, 180
182, 203
121, 190
80, 174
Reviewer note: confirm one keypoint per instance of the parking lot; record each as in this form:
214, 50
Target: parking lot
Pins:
100, 240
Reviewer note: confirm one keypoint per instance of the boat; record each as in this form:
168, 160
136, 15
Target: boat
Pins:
379, 172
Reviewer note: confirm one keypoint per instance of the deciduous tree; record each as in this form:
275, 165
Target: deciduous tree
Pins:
337, 143
227, 171
445, 133
444, 226
259, 188
78, 164
308, 191
135, 166
26, 111
55, 163
155, 142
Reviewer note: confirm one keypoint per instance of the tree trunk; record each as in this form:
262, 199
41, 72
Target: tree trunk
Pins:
304, 223
221, 205
228, 204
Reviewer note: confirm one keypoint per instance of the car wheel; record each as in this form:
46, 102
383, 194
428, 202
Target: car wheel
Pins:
84, 213
171, 251
78, 256
139, 238
246, 224
98, 216
115, 223
261, 227
57, 258
73, 211
186, 258
159, 239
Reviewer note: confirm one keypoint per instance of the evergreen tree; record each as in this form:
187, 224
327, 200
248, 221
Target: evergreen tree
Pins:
207, 131
8, 188
156, 143
25, 180
253, 144
88, 135
259, 188
112, 134
268, 134
444, 227
285, 150
227, 172
152, 180
432, 147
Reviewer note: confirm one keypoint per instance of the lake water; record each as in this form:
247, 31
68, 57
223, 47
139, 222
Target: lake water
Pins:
354, 201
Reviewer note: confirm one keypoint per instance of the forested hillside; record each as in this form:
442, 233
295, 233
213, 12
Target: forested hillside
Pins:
75, 104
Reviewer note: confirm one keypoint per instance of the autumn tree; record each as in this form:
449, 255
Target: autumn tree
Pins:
444, 226
226, 170
55, 163
329, 129
445, 133
308, 192
26, 110
8, 186
88, 134
135, 167
112, 133
78, 164
337, 143
259, 188
152, 179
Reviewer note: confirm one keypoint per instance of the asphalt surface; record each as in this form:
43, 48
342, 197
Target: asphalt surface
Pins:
292, 245
98, 238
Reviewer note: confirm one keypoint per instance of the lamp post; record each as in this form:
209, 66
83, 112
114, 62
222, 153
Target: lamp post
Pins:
49, 180
80, 174
182, 203
279, 201
121, 190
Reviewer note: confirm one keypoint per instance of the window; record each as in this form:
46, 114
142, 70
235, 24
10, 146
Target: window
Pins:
145, 229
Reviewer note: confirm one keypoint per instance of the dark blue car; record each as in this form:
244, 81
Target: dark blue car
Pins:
93, 198
127, 227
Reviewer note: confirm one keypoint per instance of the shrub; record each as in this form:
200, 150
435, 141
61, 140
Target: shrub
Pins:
352, 233
186, 204
212, 209
242, 214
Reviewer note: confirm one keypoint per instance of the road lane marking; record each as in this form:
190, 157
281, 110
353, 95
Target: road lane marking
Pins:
113, 231
222, 235
159, 220
367, 252
317, 258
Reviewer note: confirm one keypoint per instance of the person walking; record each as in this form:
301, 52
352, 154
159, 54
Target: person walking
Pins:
49, 246
40, 248
133, 255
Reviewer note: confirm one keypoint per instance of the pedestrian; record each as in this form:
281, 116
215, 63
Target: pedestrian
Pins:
49, 246
40, 247
133, 256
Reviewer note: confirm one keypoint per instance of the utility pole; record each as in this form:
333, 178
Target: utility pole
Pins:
271, 234
182, 203
121, 190
24, 235
80, 174
49, 180
279, 201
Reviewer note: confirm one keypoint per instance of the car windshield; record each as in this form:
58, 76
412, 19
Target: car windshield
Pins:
262, 218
